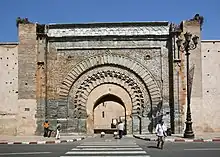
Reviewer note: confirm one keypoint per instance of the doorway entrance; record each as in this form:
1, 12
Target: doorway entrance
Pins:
107, 103
108, 111
121, 76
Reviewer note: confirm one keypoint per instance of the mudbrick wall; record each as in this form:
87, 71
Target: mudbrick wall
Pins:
66, 52
59, 72
8, 88
26, 121
195, 66
210, 79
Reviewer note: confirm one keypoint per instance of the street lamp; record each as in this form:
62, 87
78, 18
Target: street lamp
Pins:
190, 43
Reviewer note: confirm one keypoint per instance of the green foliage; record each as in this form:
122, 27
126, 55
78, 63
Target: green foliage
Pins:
22, 21
200, 19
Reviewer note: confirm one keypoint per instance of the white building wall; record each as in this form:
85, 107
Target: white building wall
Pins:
210, 109
8, 87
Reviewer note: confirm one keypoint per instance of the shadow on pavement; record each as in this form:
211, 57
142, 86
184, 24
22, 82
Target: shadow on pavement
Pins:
152, 147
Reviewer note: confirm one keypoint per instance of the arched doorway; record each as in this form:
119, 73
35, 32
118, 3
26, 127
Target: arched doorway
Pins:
107, 112
105, 74
108, 93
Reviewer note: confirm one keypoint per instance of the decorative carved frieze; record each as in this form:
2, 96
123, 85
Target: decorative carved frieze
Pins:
139, 94
109, 31
114, 60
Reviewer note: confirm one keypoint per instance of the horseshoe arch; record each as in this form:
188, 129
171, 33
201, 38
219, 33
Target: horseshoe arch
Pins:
114, 59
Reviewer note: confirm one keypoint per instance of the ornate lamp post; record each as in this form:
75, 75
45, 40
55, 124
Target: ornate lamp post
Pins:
190, 43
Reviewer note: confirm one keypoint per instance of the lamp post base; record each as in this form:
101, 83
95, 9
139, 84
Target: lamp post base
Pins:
188, 133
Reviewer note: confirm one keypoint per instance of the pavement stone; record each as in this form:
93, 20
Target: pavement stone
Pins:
38, 139
211, 137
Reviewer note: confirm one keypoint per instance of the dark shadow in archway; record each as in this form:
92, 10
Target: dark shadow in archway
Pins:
152, 115
108, 97
111, 97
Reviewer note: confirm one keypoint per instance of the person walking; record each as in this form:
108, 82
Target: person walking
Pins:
161, 134
120, 129
46, 128
58, 128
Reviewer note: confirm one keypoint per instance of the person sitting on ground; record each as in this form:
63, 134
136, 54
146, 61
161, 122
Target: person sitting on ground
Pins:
46, 128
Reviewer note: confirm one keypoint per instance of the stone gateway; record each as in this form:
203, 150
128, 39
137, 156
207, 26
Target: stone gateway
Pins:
116, 64
91, 76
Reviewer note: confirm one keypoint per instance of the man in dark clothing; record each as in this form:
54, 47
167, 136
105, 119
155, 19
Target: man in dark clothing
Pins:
46, 128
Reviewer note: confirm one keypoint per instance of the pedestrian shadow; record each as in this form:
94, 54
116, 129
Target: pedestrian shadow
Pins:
152, 147
117, 138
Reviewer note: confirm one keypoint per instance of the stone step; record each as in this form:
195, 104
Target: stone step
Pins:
72, 134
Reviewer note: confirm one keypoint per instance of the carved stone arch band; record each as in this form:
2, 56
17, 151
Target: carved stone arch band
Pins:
110, 75
105, 59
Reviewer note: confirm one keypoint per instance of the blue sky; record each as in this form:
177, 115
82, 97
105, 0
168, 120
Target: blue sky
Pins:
80, 11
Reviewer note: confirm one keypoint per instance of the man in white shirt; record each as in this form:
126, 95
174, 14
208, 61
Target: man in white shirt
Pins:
120, 129
58, 130
161, 133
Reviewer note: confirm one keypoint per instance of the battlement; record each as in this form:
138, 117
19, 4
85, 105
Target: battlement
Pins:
9, 43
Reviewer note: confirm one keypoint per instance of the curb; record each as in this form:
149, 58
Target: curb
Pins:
179, 140
45, 142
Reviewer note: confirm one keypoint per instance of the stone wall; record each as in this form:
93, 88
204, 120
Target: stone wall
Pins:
204, 96
65, 51
47, 62
180, 82
17, 116
27, 65
196, 61
208, 112
8, 88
